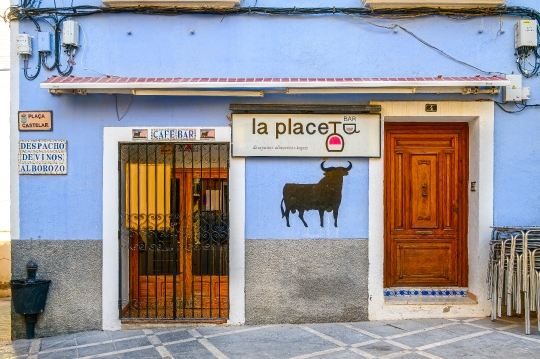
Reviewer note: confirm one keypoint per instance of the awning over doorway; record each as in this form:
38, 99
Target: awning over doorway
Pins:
257, 87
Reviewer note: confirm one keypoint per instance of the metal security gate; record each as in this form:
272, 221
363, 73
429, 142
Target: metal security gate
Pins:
174, 230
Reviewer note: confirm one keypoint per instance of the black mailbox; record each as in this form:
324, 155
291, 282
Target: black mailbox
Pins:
29, 297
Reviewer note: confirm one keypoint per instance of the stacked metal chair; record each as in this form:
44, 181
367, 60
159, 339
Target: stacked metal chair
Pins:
514, 272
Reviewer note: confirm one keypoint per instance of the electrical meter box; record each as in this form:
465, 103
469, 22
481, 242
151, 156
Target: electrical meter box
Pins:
24, 44
70, 33
44, 41
526, 34
515, 92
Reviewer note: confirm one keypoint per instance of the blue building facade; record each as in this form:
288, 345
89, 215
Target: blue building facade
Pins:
424, 70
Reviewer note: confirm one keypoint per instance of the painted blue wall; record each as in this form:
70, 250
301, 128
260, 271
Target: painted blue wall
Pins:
70, 207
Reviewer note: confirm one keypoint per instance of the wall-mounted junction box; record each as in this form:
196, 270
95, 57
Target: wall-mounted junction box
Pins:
70, 33
24, 44
515, 92
526, 34
44, 40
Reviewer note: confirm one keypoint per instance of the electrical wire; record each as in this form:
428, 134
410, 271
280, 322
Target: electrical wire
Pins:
521, 106
84, 49
120, 117
70, 54
19, 12
500, 105
25, 57
393, 27
25, 69
27, 10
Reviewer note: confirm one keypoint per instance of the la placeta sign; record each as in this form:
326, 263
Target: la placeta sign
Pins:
306, 135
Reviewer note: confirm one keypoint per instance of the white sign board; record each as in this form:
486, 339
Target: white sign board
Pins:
174, 134
305, 135
42, 157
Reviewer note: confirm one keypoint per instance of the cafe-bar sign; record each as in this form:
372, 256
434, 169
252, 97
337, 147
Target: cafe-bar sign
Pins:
306, 135
42, 157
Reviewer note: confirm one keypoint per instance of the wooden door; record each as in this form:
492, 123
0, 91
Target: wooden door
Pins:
196, 295
426, 207
174, 231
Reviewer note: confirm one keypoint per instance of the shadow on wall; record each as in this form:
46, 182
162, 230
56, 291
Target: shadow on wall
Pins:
5, 269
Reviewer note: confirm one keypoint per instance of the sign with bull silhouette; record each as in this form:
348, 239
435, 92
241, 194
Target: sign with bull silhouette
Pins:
322, 196
306, 135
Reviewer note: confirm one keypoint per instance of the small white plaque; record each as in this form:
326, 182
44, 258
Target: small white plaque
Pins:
173, 134
42, 157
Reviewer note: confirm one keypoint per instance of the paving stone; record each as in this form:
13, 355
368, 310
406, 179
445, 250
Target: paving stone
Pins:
97, 349
173, 336
463, 329
93, 337
227, 329
274, 342
488, 323
410, 339
131, 343
428, 337
125, 334
66, 354
343, 354
410, 356
383, 329
410, 325
492, 345
340, 332
520, 329
190, 350
380, 348
57, 341
53, 343
20, 346
112, 356
149, 353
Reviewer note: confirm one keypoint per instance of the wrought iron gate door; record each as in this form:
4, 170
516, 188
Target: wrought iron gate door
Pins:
174, 230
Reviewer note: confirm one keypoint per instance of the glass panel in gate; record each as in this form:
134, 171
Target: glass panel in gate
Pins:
174, 233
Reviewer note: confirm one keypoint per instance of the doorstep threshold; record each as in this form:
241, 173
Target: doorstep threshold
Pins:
429, 296
429, 301
164, 323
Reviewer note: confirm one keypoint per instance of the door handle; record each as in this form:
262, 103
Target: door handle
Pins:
424, 232
424, 186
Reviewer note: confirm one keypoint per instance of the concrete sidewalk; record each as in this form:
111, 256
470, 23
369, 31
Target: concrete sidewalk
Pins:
430, 338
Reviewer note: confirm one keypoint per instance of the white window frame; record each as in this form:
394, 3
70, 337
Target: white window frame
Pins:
481, 119
111, 266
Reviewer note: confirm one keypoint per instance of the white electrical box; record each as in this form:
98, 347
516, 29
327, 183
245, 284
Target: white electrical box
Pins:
70, 33
44, 41
515, 92
526, 34
24, 44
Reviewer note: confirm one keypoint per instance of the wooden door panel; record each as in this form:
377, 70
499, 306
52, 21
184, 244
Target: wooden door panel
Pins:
450, 193
427, 262
398, 190
434, 141
423, 191
426, 173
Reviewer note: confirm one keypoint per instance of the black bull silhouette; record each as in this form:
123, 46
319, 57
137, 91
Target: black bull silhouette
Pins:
322, 196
